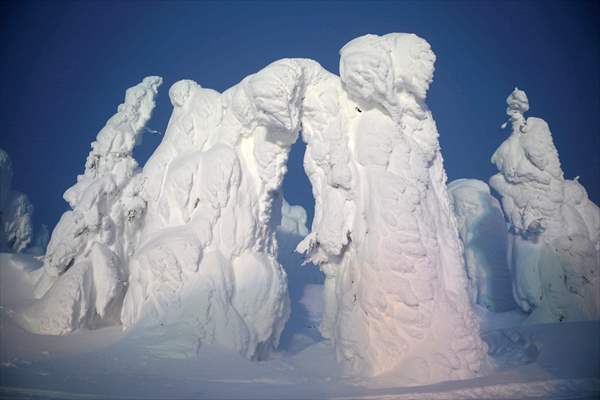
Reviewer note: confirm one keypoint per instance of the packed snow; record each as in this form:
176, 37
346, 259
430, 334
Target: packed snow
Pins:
174, 279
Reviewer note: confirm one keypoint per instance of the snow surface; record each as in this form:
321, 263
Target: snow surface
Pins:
484, 235
554, 242
549, 361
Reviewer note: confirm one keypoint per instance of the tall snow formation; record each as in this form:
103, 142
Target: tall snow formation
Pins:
16, 212
206, 265
194, 235
84, 277
554, 246
383, 231
484, 233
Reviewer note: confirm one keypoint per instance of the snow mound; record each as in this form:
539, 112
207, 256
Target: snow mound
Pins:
483, 232
85, 270
16, 211
554, 246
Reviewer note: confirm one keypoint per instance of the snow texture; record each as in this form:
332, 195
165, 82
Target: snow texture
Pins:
554, 242
16, 211
484, 233
383, 232
194, 234
83, 280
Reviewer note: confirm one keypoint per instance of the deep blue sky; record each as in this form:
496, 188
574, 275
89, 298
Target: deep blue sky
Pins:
65, 66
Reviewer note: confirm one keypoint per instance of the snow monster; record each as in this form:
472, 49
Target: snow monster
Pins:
188, 244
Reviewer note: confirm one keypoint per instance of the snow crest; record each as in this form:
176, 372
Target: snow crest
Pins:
554, 245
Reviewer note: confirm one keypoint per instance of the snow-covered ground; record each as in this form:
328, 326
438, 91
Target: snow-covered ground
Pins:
549, 361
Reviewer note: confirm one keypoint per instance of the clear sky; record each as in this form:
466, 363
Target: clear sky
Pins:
64, 68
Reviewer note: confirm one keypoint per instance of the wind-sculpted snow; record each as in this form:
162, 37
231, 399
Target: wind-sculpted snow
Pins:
194, 235
86, 265
554, 243
208, 251
383, 231
16, 211
483, 232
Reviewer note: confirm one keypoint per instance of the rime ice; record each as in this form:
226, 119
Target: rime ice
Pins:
187, 247
84, 277
554, 242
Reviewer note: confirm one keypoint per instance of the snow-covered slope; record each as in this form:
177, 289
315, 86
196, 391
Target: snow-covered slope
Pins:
554, 245
484, 235
189, 244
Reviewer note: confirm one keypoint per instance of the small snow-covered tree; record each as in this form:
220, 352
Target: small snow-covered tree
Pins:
555, 228
85, 266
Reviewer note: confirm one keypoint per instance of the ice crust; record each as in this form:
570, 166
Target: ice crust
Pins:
16, 211
189, 244
554, 241
483, 231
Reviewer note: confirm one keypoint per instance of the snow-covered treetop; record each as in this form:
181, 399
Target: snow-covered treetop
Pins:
121, 131
517, 105
385, 69
111, 151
